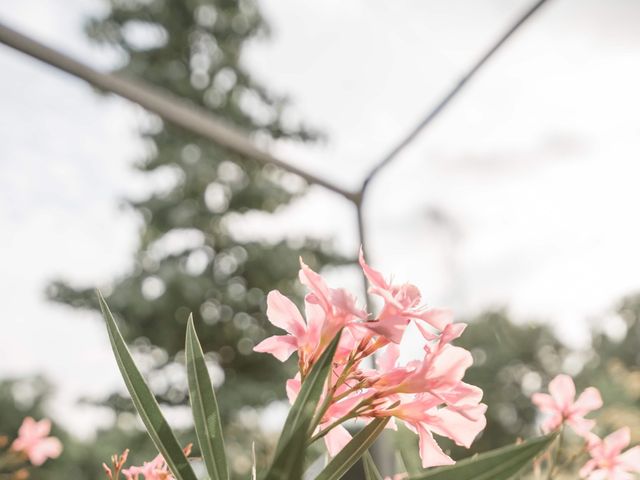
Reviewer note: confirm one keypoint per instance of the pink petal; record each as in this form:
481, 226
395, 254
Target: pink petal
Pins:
293, 388
544, 402
283, 313
387, 359
341, 408
552, 423
430, 452
49, 447
617, 441
588, 468
391, 327
581, 425
593, 441
463, 394
280, 346
345, 302
374, 276
563, 391
451, 332
473, 413
458, 428
336, 439
588, 401
450, 365
315, 320
631, 459
316, 284
437, 317
427, 331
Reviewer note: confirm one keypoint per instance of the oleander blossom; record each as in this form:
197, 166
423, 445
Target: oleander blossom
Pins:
34, 441
561, 405
428, 393
608, 461
156, 469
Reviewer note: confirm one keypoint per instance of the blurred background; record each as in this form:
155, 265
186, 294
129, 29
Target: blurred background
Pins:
518, 207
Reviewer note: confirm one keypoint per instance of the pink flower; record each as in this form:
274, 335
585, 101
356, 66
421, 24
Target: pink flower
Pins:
607, 460
34, 443
327, 310
440, 370
402, 303
156, 469
564, 408
423, 416
428, 393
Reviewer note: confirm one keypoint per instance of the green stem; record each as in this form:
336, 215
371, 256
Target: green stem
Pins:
554, 465
574, 457
322, 433
329, 398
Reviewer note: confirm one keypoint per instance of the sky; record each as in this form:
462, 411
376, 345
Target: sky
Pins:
523, 194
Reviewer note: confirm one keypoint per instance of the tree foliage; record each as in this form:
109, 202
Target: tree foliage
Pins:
189, 259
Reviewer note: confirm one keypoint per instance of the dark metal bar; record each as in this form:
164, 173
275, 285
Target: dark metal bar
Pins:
393, 153
188, 116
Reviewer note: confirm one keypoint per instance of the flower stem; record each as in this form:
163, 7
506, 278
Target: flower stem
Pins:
555, 464
322, 433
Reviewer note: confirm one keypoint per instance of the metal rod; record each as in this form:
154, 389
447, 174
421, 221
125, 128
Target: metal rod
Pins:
432, 114
186, 115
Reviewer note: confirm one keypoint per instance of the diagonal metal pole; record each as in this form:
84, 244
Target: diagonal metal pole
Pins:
450, 95
180, 112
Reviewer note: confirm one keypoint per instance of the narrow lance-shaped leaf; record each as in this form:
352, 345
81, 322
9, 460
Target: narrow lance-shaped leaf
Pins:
500, 464
206, 417
288, 462
370, 470
407, 447
305, 405
351, 453
145, 403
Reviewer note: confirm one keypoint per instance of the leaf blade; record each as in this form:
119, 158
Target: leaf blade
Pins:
500, 464
204, 406
288, 462
371, 472
352, 452
304, 406
145, 402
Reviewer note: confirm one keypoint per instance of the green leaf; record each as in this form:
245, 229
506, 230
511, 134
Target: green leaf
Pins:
288, 462
145, 403
370, 470
306, 403
407, 446
206, 417
352, 452
500, 464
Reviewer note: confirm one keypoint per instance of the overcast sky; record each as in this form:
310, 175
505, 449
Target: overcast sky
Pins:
523, 194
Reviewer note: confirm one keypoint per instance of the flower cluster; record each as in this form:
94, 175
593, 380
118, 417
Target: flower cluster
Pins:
33, 444
156, 469
427, 393
608, 461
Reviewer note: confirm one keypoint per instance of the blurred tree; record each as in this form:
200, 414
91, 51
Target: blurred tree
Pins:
614, 368
189, 259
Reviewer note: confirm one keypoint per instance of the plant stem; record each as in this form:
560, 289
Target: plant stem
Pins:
322, 433
554, 465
